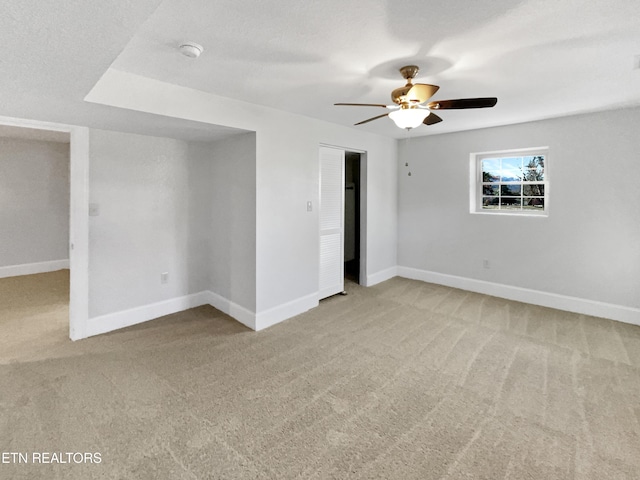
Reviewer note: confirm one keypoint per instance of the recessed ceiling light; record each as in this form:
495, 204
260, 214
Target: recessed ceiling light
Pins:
191, 50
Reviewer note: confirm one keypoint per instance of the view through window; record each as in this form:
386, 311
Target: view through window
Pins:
512, 182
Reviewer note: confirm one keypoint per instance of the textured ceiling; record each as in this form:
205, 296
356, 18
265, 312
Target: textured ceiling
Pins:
53, 53
541, 58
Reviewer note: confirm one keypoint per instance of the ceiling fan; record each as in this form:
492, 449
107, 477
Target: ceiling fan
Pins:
410, 110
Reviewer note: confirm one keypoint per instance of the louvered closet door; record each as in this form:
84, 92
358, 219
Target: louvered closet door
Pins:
331, 221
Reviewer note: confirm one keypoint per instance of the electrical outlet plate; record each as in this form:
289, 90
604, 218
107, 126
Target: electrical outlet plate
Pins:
164, 277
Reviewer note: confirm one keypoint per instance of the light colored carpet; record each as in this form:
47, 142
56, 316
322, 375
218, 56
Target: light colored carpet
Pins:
404, 380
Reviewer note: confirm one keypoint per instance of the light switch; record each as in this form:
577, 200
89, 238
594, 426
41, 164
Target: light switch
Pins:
94, 209
309, 206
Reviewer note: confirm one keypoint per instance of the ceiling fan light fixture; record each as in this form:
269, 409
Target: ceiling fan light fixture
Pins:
409, 117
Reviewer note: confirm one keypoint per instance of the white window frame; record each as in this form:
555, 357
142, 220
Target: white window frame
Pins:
476, 181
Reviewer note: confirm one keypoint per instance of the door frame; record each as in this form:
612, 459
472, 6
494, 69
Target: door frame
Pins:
78, 218
363, 207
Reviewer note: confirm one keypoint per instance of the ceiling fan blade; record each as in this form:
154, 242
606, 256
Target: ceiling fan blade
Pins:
463, 103
371, 119
431, 119
362, 104
421, 92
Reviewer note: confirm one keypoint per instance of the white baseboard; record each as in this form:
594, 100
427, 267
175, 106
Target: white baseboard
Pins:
235, 311
381, 276
31, 268
144, 313
283, 312
536, 297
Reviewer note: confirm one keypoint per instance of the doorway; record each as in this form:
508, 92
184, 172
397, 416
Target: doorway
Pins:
34, 256
78, 240
342, 219
352, 221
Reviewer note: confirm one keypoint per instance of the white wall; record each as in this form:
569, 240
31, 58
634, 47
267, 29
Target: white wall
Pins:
287, 176
200, 179
288, 235
34, 201
230, 198
146, 190
589, 245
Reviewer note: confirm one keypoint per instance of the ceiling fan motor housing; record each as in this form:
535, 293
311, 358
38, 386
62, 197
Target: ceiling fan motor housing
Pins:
399, 95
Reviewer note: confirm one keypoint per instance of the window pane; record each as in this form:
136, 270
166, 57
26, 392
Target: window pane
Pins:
513, 181
490, 202
490, 190
511, 169
533, 204
510, 190
491, 170
508, 203
534, 169
533, 190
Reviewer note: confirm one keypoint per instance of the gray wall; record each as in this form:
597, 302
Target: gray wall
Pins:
34, 201
145, 189
165, 205
230, 198
589, 245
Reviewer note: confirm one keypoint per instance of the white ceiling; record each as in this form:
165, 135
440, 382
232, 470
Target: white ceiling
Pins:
541, 58
53, 53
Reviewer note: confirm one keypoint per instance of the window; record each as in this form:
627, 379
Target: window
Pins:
514, 181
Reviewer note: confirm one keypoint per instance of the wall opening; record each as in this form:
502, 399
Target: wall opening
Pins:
343, 219
352, 217
35, 167
78, 216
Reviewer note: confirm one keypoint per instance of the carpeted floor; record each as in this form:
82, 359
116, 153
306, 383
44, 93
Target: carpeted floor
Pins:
403, 380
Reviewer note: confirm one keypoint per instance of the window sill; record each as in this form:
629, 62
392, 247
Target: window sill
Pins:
505, 214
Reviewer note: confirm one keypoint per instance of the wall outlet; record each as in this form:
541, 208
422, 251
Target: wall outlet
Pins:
486, 264
164, 277
309, 206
